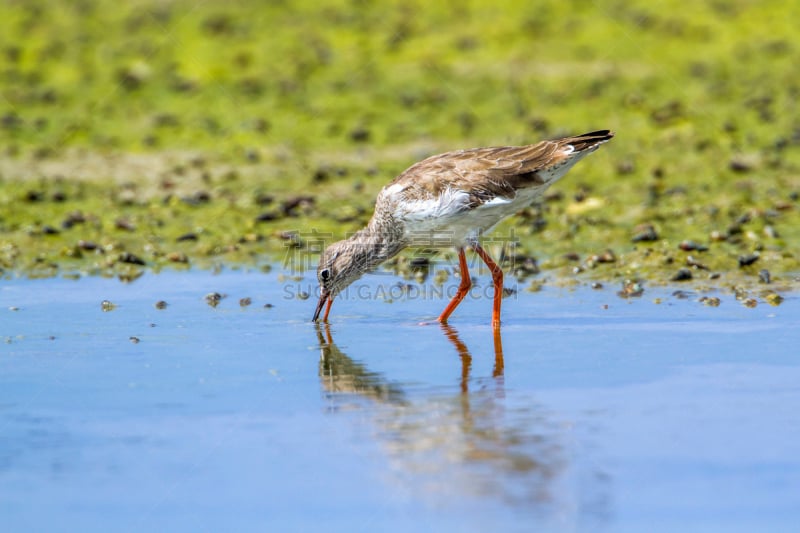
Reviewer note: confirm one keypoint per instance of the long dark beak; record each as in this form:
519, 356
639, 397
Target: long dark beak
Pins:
323, 298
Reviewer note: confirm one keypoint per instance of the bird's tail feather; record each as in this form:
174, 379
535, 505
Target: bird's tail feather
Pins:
588, 140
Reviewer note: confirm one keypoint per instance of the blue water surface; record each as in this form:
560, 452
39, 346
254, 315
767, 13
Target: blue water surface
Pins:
589, 413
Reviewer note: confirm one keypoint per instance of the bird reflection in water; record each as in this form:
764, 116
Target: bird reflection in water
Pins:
458, 442
340, 374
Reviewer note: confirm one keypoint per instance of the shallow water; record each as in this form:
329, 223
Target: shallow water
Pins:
589, 413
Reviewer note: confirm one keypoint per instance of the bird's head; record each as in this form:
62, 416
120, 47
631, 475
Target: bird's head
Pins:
340, 265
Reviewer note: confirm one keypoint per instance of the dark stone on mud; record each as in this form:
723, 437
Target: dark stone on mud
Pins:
127, 257
360, 134
267, 217
684, 274
213, 298
124, 224
191, 236
605, 257
747, 260
646, 233
34, 196
200, 197
741, 164
694, 263
264, 199
325, 172
691, 246
290, 206
76, 217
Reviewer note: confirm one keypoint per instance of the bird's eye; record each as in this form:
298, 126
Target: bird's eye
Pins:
325, 274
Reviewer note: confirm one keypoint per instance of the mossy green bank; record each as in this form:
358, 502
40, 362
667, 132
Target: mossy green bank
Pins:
149, 133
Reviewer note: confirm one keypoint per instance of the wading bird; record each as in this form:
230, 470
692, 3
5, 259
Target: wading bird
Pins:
455, 197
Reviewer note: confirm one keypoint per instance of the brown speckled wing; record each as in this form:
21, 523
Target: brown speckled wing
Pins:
487, 173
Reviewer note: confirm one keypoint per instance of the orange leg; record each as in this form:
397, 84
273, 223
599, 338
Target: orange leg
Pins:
463, 288
497, 278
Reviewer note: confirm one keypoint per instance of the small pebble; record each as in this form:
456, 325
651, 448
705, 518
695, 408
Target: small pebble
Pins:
717, 235
177, 257
750, 302
124, 224
773, 299
645, 233
742, 163
606, 257
694, 263
244, 302
631, 289
131, 259
268, 306
187, 237
161, 304
213, 298
107, 306
596, 285
684, 274
134, 340
267, 217
764, 276
691, 246
747, 260
710, 301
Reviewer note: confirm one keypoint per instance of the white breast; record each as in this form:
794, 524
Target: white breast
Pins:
449, 221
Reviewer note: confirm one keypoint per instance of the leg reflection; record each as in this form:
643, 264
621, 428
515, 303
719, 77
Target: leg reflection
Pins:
466, 356
499, 364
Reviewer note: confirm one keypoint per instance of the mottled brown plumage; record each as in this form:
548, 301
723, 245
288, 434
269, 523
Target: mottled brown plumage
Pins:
488, 173
452, 198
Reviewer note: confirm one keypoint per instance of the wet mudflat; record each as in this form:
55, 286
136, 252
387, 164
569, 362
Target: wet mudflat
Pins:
589, 413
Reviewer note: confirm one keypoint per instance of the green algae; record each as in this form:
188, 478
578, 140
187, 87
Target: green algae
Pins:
177, 134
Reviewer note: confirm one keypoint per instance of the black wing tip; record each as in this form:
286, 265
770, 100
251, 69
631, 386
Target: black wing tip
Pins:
588, 141
599, 135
